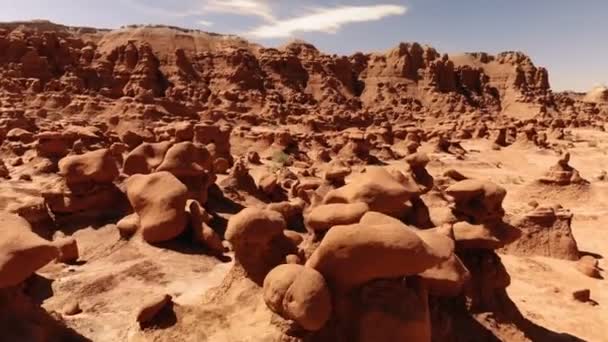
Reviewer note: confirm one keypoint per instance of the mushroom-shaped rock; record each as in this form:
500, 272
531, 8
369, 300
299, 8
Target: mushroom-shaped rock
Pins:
159, 200
418, 159
95, 167
417, 163
376, 187
22, 252
492, 235
298, 293
478, 199
257, 238
145, 158
348, 255
325, 216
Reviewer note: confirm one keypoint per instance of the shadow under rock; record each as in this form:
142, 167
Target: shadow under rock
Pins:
23, 320
184, 245
73, 223
532, 330
218, 203
38, 288
595, 255
461, 326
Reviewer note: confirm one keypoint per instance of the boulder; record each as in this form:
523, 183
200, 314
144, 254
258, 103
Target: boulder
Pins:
186, 159
22, 252
376, 187
348, 255
145, 158
490, 235
298, 293
159, 199
128, 225
92, 167
477, 200
68, 250
258, 241
325, 216
446, 279
152, 308
588, 266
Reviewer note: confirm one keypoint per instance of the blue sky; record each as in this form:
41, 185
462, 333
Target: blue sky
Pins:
569, 37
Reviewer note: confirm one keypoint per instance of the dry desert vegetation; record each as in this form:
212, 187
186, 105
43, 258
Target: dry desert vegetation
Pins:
162, 184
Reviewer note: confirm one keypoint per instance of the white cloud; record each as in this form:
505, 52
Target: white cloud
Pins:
258, 8
205, 23
325, 19
328, 20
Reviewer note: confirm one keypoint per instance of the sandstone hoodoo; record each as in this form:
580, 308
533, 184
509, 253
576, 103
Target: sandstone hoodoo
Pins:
159, 201
86, 186
226, 191
562, 173
546, 231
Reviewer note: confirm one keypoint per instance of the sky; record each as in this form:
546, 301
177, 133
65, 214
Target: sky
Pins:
568, 37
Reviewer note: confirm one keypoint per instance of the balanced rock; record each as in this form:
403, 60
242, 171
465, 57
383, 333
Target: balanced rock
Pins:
477, 200
348, 255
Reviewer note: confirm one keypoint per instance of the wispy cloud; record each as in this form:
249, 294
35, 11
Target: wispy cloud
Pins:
258, 8
325, 19
328, 20
156, 10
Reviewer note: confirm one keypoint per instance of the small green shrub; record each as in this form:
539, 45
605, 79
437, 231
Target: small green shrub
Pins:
280, 157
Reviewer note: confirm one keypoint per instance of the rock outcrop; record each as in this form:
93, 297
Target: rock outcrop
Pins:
546, 231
